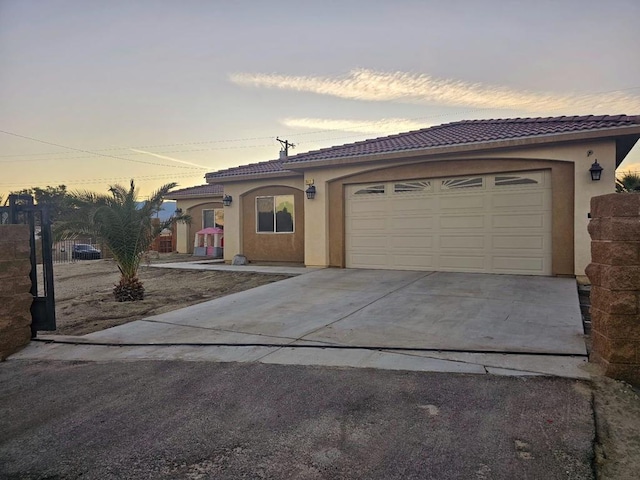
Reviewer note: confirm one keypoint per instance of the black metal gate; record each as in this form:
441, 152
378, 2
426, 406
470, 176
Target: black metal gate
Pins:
22, 210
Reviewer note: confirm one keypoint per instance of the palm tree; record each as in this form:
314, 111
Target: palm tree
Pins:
628, 182
124, 225
79, 217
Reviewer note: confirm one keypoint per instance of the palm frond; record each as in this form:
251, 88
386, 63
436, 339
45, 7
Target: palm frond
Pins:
628, 182
120, 221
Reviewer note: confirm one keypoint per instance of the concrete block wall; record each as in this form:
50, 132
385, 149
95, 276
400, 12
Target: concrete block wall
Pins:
614, 273
15, 299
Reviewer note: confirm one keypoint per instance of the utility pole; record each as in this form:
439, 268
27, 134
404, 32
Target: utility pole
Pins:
285, 147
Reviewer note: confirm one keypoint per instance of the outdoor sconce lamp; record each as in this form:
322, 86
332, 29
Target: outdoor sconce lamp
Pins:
226, 200
311, 192
595, 171
178, 211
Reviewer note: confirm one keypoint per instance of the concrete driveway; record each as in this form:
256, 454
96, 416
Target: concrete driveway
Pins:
434, 321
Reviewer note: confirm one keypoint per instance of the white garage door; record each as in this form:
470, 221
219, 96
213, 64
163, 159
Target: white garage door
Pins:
490, 223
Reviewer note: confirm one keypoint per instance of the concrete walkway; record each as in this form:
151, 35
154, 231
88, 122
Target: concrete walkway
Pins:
425, 321
220, 266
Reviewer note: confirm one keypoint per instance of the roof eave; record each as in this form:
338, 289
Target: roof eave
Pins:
470, 146
253, 176
198, 195
624, 146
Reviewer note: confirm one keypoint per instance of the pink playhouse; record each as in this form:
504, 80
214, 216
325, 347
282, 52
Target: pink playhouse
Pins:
209, 242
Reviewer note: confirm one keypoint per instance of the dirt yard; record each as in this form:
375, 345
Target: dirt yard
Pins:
85, 304
617, 415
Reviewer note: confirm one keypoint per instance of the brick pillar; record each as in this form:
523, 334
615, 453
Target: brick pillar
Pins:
15, 299
615, 278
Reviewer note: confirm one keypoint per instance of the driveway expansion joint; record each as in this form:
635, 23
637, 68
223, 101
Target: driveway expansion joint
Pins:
427, 274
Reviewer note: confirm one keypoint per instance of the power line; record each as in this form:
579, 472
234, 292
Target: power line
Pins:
159, 145
101, 180
45, 159
97, 154
315, 132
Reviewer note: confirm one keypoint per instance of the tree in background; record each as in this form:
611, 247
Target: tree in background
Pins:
56, 199
628, 182
123, 224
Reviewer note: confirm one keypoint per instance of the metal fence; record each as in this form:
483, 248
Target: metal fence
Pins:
63, 250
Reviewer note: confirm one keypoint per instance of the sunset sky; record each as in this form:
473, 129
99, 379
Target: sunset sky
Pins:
97, 92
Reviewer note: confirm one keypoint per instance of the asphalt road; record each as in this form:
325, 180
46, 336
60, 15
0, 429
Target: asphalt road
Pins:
156, 420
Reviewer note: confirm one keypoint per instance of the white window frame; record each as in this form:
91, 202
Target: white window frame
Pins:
214, 215
293, 215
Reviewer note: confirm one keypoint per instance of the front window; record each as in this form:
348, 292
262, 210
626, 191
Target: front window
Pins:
275, 214
213, 218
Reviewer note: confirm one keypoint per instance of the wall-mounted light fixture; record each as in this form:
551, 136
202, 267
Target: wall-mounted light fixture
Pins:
226, 200
178, 211
595, 171
311, 192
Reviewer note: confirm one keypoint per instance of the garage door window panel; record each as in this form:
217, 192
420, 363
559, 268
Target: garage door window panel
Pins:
275, 214
533, 179
371, 190
459, 183
413, 187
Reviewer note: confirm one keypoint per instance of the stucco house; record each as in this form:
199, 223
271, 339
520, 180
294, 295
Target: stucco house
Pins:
495, 196
204, 205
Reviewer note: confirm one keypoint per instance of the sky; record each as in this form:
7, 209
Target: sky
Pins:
96, 92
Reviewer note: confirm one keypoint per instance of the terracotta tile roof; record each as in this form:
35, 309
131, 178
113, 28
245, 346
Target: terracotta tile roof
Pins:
272, 166
448, 134
199, 191
468, 131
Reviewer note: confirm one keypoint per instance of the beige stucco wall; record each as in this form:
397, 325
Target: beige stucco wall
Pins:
586, 189
193, 207
562, 198
233, 213
273, 247
317, 212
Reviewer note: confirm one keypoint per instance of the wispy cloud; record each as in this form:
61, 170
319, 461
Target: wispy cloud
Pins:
629, 167
370, 85
385, 126
164, 157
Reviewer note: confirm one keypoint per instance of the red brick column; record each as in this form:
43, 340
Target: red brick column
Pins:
15, 299
615, 284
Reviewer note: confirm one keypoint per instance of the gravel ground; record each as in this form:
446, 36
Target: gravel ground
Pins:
197, 420
85, 304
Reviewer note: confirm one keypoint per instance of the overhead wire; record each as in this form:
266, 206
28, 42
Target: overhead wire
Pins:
95, 153
364, 123
294, 135
105, 179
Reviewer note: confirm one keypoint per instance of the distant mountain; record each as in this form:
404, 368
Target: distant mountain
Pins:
168, 209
